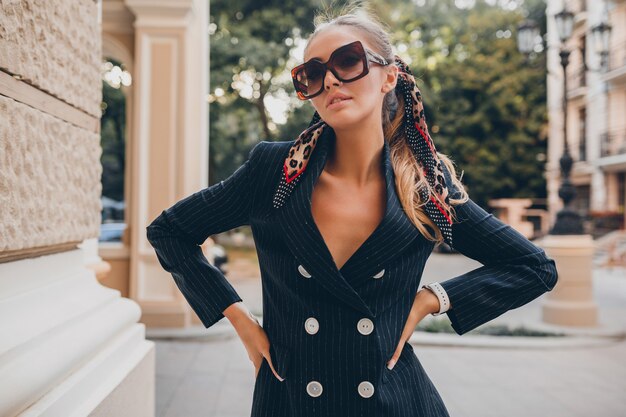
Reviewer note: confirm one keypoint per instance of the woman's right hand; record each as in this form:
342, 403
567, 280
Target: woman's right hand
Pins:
252, 335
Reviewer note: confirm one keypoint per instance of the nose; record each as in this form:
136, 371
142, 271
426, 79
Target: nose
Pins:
330, 79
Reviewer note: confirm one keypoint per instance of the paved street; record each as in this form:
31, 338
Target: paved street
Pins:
214, 378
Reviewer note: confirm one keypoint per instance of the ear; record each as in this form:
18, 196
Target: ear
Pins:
391, 78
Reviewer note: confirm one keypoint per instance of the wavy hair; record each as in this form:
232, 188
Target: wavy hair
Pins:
409, 179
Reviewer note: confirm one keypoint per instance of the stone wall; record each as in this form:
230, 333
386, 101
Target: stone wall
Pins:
49, 179
50, 96
55, 46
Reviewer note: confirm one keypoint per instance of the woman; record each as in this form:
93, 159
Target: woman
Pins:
344, 218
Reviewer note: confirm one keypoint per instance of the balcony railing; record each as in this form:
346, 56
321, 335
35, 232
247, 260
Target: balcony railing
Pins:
613, 142
617, 55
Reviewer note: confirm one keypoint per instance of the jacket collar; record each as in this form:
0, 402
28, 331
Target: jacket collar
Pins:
392, 235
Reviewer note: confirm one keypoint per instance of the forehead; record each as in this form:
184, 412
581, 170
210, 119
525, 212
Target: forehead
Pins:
325, 42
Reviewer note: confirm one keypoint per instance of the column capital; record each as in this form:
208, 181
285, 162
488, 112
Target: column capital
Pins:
161, 13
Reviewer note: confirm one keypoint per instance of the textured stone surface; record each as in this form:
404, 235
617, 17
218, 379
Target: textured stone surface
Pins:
55, 46
49, 179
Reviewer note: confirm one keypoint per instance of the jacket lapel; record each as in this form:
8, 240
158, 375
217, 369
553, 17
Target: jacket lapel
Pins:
393, 234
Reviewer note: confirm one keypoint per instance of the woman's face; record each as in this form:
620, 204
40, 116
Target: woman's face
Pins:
366, 94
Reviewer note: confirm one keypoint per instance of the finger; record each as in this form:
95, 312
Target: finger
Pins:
257, 365
409, 328
269, 360
394, 358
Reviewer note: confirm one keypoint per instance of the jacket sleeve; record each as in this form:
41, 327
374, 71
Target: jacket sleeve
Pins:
179, 230
515, 271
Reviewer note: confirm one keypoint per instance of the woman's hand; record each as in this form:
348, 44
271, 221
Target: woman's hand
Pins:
425, 303
252, 335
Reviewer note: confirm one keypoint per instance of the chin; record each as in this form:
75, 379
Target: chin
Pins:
342, 119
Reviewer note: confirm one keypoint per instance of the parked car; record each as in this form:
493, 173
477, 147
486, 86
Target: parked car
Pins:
112, 210
220, 258
111, 232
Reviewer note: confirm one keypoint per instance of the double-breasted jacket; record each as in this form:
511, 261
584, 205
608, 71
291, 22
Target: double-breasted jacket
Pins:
331, 330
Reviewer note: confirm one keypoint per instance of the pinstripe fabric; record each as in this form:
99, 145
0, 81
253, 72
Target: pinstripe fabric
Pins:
515, 271
300, 281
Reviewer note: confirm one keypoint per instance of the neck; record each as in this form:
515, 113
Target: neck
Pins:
357, 154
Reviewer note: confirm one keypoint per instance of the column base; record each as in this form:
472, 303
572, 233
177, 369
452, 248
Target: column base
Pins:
571, 301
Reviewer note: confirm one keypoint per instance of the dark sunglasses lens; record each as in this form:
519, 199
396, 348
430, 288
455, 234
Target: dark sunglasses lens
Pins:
309, 78
349, 63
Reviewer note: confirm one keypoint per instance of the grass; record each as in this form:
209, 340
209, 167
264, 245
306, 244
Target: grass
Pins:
443, 325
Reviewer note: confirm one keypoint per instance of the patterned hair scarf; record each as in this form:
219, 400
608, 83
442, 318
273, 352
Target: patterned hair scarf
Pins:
421, 144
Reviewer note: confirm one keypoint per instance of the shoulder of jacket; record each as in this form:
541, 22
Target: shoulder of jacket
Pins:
275, 145
269, 158
266, 151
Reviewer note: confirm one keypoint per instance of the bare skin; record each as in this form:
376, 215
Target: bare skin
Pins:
346, 215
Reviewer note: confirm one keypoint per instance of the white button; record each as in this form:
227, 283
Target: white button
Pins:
314, 389
366, 389
303, 272
380, 274
311, 325
365, 326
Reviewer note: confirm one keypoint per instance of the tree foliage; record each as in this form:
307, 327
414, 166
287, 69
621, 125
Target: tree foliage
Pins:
485, 104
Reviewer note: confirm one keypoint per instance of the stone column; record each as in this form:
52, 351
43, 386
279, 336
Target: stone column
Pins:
170, 149
571, 301
69, 345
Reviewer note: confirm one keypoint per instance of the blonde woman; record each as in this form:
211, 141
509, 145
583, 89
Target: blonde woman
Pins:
344, 218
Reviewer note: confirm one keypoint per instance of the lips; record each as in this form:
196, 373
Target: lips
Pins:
339, 104
334, 96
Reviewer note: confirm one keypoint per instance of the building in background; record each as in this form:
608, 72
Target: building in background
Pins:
73, 310
596, 106
162, 46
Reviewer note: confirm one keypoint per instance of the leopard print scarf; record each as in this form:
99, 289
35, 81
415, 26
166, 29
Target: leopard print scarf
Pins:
419, 141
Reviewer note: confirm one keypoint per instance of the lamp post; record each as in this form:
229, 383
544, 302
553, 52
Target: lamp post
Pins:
568, 221
601, 34
571, 302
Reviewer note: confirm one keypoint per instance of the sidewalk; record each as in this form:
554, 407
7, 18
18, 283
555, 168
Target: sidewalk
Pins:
212, 376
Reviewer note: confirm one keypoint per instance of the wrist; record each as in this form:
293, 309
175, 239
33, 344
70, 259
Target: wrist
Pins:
428, 300
238, 312
443, 302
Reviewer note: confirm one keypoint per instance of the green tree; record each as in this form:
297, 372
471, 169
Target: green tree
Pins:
485, 105
251, 42
113, 140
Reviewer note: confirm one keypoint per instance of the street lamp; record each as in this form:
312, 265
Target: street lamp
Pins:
527, 33
601, 34
572, 250
568, 221
564, 24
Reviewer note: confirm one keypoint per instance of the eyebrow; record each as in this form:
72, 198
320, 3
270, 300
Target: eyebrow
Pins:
315, 57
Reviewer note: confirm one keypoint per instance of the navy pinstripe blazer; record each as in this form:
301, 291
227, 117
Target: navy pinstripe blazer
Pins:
332, 330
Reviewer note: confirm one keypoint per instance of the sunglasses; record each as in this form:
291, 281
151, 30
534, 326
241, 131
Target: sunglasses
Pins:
347, 63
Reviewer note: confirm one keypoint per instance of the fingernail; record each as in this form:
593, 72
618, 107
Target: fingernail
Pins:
391, 364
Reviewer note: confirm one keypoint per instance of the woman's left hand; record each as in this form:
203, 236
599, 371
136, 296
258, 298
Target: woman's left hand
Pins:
424, 304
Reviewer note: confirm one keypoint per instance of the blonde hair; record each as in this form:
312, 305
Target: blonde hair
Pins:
409, 177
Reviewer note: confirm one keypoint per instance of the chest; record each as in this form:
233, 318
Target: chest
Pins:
346, 217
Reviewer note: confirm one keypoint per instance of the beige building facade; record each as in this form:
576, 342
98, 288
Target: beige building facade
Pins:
164, 46
73, 311
596, 118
